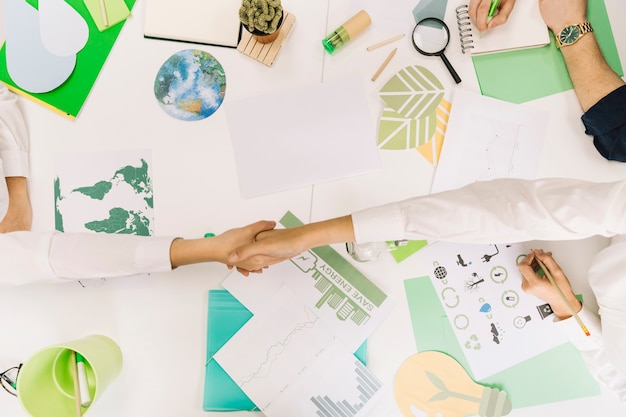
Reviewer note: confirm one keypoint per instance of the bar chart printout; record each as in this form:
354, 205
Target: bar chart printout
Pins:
336, 384
367, 387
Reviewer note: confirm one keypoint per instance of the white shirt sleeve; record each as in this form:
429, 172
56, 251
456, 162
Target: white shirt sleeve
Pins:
508, 210
592, 351
504, 210
13, 136
31, 257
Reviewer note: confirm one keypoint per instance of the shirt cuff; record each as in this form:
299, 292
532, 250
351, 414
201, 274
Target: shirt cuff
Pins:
153, 255
14, 163
606, 115
572, 330
378, 224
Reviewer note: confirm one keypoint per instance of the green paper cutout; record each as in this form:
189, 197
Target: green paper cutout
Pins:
403, 252
413, 92
556, 375
529, 74
116, 11
396, 132
69, 98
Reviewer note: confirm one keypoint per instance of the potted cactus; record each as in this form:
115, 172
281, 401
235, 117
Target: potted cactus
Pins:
262, 18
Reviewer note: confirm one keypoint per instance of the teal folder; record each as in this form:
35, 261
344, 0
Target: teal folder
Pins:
556, 375
225, 317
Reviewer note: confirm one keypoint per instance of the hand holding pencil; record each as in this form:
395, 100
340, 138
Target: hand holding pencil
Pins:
544, 278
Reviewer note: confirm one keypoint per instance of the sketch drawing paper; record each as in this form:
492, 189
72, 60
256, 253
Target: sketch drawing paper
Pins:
308, 135
496, 323
487, 139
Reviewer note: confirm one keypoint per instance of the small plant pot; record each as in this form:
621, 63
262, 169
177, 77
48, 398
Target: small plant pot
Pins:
262, 37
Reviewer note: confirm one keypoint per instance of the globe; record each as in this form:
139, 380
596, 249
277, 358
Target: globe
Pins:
190, 85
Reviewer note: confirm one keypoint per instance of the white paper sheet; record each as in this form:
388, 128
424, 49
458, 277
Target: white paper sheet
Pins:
301, 137
496, 323
488, 138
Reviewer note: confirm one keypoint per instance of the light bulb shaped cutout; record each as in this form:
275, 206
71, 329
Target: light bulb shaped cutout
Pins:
433, 384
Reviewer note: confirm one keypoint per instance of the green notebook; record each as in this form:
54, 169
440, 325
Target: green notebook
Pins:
226, 316
529, 74
69, 98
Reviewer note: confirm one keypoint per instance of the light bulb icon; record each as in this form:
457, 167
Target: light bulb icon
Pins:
433, 384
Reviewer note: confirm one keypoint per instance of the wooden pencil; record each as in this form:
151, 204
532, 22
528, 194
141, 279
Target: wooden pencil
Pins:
567, 303
79, 411
385, 42
384, 64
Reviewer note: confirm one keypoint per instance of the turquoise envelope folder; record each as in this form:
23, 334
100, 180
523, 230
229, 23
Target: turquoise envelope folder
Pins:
226, 316
556, 375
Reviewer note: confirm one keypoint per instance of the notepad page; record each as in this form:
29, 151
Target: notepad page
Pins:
525, 28
214, 22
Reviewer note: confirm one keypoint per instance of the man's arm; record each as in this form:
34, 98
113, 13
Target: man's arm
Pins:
591, 76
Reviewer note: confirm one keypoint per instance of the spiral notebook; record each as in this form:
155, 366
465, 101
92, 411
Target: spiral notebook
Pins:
524, 29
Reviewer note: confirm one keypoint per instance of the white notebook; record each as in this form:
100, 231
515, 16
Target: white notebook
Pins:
524, 29
213, 22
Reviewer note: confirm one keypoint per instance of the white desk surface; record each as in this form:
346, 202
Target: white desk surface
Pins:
161, 327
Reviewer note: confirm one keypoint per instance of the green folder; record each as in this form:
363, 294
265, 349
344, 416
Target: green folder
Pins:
226, 316
529, 74
556, 375
69, 98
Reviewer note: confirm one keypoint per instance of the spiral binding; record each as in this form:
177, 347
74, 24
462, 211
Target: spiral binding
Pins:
465, 27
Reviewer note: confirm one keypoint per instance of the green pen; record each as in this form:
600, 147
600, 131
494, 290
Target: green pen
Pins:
492, 10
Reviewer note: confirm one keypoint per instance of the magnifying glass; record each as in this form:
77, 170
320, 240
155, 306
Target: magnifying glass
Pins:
430, 38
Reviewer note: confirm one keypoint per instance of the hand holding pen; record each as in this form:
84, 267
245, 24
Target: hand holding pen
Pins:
488, 14
544, 278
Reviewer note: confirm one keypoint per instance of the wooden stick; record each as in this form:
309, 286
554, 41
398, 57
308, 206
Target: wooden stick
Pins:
385, 42
569, 306
384, 64
74, 364
103, 11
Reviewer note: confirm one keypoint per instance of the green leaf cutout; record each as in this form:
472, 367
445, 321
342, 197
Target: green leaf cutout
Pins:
412, 92
396, 132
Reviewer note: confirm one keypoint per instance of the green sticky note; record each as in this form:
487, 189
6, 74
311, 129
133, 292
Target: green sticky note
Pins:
558, 374
529, 74
116, 11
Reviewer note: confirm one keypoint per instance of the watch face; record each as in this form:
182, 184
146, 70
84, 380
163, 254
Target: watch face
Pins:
569, 35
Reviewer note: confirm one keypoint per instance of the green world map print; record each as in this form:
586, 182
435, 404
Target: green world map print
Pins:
104, 192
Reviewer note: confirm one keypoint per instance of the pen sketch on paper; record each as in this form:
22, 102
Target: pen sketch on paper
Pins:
495, 322
487, 139
497, 141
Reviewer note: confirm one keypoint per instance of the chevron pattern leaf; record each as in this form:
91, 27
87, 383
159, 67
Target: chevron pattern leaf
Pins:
413, 92
396, 132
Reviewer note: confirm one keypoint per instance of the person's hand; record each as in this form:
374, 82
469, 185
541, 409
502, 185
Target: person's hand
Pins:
19, 215
541, 287
479, 10
270, 247
558, 14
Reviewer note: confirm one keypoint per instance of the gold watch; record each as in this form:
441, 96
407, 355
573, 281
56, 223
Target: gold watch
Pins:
570, 34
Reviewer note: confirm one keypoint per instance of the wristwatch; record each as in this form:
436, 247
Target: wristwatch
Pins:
570, 34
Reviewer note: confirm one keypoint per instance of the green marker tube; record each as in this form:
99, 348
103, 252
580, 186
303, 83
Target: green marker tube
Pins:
349, 30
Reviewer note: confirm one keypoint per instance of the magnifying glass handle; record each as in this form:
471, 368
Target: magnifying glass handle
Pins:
456, 77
